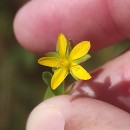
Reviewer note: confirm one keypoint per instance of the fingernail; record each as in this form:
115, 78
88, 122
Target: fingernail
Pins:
46, 118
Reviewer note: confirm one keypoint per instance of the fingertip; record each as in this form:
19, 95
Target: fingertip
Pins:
46, 117
38, 23
61, 112
31, 28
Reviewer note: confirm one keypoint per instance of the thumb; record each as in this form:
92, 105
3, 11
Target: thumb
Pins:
62, 112
46, 117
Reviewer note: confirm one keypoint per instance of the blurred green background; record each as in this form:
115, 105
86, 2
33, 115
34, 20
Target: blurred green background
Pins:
21, 86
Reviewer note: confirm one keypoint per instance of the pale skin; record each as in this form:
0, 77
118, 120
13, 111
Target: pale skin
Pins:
103, 22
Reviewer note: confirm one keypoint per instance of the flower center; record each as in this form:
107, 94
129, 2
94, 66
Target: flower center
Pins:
64, 63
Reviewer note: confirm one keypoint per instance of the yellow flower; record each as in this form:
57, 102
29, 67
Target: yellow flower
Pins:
66, 60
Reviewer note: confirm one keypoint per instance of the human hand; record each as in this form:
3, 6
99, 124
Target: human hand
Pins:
103, 23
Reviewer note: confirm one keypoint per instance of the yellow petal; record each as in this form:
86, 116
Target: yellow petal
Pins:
62, 44
80, 50
58, 77
79, 72
49, 61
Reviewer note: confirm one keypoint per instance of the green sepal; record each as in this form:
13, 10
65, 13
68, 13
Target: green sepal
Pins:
69, 48
59, 90
46, 76
54, 69
49, 93
52, 54
82, 59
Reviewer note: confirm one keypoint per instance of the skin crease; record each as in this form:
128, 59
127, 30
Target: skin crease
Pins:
103, 23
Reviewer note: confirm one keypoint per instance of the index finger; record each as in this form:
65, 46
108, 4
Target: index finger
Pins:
38, 23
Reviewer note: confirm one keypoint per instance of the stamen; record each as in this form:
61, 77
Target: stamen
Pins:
64, 62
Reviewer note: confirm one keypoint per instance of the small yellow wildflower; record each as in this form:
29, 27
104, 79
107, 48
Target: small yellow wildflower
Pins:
66, 60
